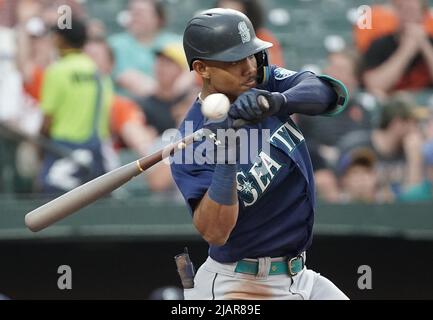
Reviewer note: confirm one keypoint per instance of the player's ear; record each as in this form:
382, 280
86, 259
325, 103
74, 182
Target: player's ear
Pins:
201, 68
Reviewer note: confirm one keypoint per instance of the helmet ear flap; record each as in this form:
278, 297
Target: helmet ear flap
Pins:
262, 63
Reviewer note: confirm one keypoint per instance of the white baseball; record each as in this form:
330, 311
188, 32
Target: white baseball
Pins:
215, 106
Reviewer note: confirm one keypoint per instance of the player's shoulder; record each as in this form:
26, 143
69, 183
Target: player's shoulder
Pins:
280, 73
276, 77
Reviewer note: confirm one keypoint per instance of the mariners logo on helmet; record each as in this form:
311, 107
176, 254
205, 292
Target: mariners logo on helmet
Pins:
244, 32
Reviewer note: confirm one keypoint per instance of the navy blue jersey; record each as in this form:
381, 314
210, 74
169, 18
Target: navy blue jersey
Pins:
275, 188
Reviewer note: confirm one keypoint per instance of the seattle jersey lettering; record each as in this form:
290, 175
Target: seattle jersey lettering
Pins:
252, 184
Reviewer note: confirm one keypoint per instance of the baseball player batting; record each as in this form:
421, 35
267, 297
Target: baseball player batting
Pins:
256, 214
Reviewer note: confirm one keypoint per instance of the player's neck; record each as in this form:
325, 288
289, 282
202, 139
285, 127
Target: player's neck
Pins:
205, 91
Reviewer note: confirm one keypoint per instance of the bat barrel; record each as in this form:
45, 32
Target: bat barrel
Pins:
91, 191
79, 197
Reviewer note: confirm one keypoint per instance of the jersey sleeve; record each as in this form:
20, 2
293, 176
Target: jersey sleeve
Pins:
342, 95
280, 79
192, 181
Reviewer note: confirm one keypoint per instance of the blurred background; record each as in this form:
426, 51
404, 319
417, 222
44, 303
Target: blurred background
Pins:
89, 85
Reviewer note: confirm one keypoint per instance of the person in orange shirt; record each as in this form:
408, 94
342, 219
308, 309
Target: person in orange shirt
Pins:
402, 60
253, 10
128, 126
384, 21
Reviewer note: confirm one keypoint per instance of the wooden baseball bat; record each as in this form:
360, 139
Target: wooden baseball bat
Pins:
91, 191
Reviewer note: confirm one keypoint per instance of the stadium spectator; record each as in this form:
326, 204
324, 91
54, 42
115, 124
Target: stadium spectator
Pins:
134, 129
10, 84
76, 103
7, 18
96, 29
397, 144
358, 178
19, 114
253, 9
384, 21
402, 60
128, 124
134, 49
174, 89
35, 48
10, 99
166, 108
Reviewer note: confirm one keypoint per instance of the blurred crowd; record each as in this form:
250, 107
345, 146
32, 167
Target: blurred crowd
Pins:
78, 102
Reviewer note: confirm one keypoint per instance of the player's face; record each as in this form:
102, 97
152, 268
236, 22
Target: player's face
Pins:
232, 78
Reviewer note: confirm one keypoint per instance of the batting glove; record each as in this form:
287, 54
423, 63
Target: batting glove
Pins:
250, 107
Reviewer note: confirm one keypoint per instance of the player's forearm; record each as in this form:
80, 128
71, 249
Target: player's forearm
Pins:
385, 76
312, 96
217, 213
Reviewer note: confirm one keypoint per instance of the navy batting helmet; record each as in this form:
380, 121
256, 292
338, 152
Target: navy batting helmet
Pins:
223, 35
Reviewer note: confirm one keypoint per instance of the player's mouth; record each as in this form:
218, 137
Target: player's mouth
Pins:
250, 83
